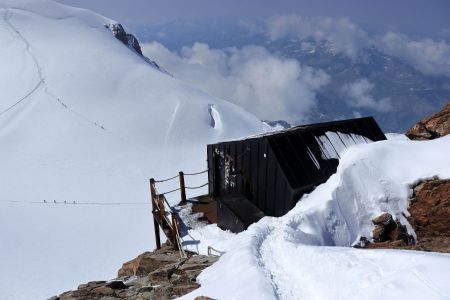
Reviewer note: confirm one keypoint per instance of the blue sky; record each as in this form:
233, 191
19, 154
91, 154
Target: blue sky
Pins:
424, 17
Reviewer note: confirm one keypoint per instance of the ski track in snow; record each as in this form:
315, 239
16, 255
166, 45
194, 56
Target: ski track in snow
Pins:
36, 87
6, 17
172, 121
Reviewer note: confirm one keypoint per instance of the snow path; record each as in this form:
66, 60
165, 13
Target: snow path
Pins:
7, 16
307, 253
36, 87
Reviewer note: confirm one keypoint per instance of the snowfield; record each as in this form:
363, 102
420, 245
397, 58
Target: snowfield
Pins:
306, 254
84, 119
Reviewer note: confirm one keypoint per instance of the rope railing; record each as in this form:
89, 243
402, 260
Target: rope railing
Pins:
176, 176
198, 173
196, 187
167, 179
160, 206
171, 191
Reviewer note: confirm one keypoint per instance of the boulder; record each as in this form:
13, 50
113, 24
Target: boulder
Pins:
388, 230
432, 127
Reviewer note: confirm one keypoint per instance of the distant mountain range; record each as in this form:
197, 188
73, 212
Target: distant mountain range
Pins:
412, 94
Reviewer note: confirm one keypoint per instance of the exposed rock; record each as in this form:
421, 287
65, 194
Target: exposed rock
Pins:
150, 261
383, 219
429, 209
388, 230
132, 43
433, 127
430, 215
161, 274
126, 38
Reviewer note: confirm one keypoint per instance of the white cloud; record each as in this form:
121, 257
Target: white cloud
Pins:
359, 95
269, 86
345, 36
428, 56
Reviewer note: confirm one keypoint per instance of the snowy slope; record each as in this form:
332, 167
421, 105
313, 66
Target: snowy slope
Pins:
306, 254
85, 119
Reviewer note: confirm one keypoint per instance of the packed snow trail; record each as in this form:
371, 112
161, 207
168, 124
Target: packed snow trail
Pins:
307, 253
6, 16
35, 88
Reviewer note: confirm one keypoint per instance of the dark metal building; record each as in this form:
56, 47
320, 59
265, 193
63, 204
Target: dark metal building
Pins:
267, 174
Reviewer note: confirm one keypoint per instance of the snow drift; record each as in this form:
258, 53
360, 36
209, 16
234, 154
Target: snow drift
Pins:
85, 119
306, 255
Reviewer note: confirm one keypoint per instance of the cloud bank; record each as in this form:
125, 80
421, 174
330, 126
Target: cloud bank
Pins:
269, 86
345, 36
358, 95
428, 56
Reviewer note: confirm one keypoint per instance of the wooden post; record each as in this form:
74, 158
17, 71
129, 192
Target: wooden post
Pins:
154, 210
175, 230
182, 188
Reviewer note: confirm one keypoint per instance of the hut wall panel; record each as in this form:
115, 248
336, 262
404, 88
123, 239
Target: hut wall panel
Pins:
253, 174
262, 178
271, 186
209, 153
274, 183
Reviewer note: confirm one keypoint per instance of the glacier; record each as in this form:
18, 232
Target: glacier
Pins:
84, 119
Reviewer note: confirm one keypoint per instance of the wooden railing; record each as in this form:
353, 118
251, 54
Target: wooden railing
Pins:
164, 216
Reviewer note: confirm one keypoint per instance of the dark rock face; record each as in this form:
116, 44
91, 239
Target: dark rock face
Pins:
132, 43
429, 209
433, 127
161, 274
126, 38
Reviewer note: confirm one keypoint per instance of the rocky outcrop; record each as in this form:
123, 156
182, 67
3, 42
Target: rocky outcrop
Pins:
433, 127
161, 274
126, 38
132, 43
430, 215
429, 209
